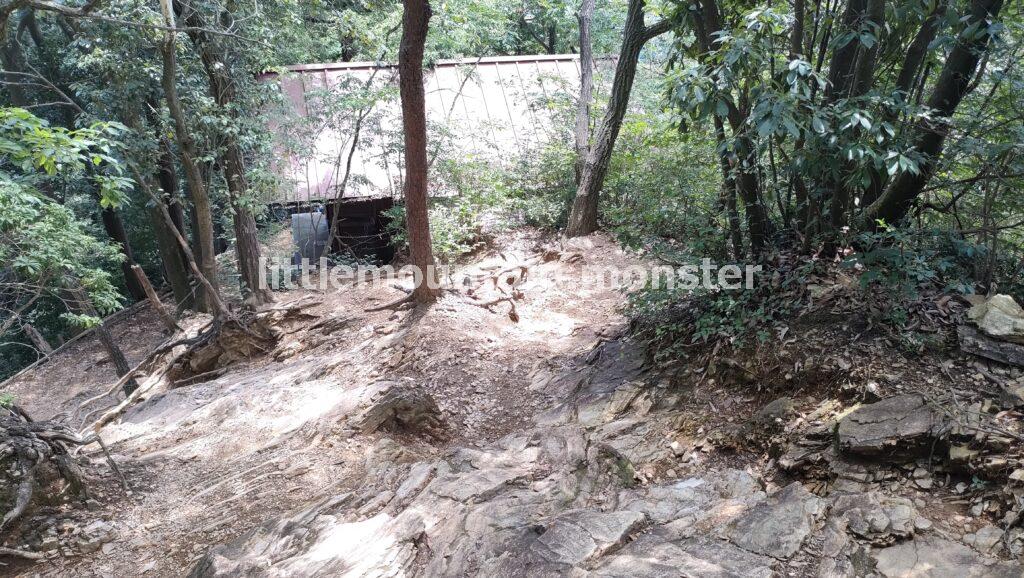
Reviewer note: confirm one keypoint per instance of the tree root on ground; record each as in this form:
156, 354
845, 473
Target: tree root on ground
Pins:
201, 354
30, 444
503, 280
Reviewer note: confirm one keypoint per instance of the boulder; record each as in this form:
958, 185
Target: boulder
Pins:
900, 427
999, 317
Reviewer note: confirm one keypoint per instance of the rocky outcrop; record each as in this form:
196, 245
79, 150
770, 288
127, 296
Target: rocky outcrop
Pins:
931, 557
778, 526
569, 497
877, 518
397, 407
900, 427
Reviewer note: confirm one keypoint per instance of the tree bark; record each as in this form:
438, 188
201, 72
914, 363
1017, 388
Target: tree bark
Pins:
850, 76
220, 310
728, 197
583, 216
114, 227
415, 21
223, 89
841, 70
154, 300
796, 35
949, 90
189, 156
10, 57
909, 70
37, 339
173, 258
582, 132
918, 50
742, 169
117, 357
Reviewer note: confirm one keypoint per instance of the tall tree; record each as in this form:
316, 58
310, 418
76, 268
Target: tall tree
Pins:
223, 87
189, 160
952, 86
582, 132
415, 22
583, 216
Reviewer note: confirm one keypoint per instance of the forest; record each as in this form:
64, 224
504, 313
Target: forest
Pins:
414, 288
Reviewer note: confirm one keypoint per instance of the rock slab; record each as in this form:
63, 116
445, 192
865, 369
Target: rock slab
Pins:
900, 427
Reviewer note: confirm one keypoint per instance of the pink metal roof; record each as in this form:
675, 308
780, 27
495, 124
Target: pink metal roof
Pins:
492, 109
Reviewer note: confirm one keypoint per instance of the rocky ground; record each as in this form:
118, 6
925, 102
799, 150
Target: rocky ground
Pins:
458, 442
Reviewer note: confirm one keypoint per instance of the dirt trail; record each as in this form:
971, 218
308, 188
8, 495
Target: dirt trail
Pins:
207, 462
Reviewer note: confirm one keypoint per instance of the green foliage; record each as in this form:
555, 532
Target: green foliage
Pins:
454, 228
674, 319
900, 262
45, 248
31, 147
540, 188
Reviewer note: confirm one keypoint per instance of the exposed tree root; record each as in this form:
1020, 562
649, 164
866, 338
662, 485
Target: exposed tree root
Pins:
30, 443
202, 353
393, 304
15, 553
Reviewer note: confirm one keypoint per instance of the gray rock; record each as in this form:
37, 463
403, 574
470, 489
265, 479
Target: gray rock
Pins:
580, 535
477, 486
999, 317
654, 555
933, 557
397, 407
778, 526
985, 539
899, 427
780, 409
877, 518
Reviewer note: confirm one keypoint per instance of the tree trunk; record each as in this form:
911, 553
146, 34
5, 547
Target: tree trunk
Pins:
841, 70
10, 57
909, 70
796, 35
949, 90
154, 300
173, 258
850, 76
583, 216
748, 186
189, 156
415, 20
728, 196
584, 16
707, 23
174, 269
223, 89
114, 227
37, 339
918, 50
117, 357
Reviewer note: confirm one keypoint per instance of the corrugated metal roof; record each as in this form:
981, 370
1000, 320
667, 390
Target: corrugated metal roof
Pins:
492, 108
